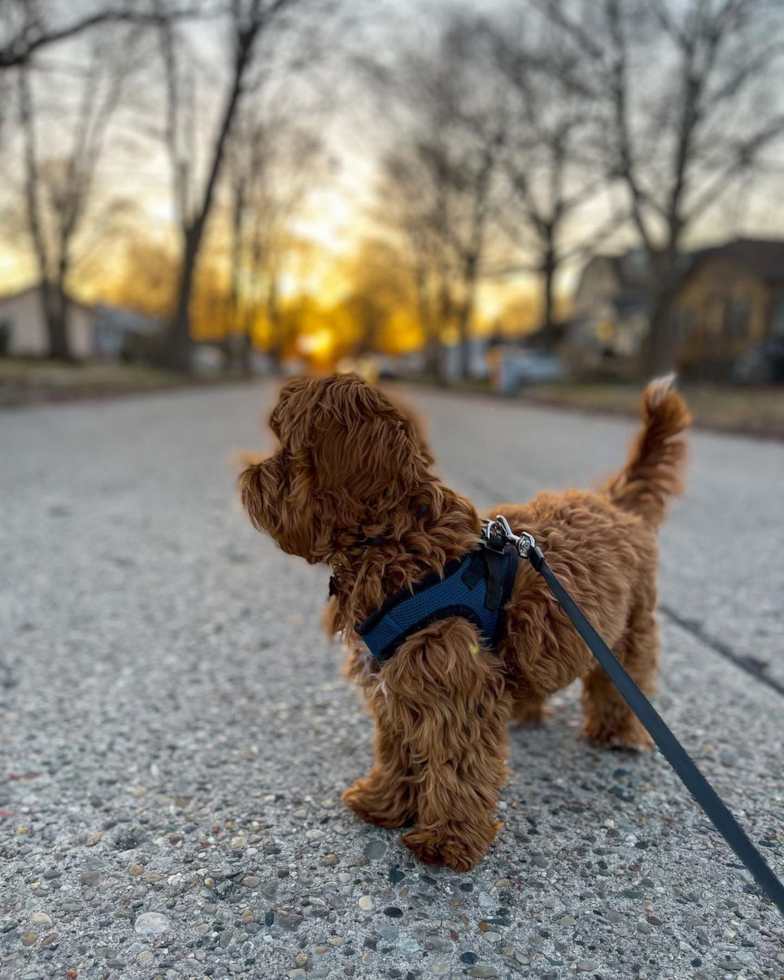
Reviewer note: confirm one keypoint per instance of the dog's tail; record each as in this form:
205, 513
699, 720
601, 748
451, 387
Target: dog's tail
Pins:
654, 470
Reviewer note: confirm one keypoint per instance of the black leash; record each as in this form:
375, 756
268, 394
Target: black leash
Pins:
669, 746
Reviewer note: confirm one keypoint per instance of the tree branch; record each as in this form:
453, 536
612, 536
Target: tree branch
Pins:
20, 49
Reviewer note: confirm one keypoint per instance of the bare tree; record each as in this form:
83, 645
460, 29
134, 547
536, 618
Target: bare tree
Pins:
414, 214
439, 180
59, 189
251, 22
271, 166
690, 101
28, 26
551, 165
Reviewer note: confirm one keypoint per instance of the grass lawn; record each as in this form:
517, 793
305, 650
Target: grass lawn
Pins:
745, 410
755, 411
23, 380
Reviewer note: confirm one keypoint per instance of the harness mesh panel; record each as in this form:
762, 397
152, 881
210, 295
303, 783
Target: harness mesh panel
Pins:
463, 591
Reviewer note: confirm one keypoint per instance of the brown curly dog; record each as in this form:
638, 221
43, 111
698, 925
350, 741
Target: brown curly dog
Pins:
351, 485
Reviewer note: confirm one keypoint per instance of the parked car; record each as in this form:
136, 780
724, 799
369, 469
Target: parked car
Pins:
524, 366
208, 360
762, 365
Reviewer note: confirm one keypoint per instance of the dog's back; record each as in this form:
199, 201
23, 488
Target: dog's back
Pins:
602, 546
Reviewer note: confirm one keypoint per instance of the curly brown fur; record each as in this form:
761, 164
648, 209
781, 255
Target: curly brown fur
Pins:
350, 485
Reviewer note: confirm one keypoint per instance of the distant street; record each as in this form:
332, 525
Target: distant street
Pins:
175, 732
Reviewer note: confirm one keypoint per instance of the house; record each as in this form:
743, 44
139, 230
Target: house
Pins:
100, 331
120, 333
611, 306
730, 301
23, 330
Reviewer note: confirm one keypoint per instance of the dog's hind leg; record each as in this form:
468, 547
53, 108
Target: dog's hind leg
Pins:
609, 721
452, 713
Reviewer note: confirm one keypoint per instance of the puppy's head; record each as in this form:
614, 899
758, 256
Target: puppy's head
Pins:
347, 459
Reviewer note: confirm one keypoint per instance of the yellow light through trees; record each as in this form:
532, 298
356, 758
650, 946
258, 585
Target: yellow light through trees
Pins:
317, 345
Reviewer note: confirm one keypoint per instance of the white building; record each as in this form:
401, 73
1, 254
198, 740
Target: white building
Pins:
116, 329
23, 327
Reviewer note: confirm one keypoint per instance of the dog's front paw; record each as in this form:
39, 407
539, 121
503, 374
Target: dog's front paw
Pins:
530, 714
454, 847
632, 736
378, 804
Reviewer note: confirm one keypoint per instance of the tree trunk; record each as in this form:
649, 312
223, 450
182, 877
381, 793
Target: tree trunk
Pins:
245, 347
428, 321
466, 316
548, 300
180, 330
56, 318
464, 341
658, 356
433, 367
239, 335
275, 347
444, 317
179, 333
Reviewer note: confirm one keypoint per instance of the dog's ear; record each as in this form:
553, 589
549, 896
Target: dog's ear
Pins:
294, 408
365, 449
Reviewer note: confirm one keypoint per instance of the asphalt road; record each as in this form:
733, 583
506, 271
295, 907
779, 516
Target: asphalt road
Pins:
175, 733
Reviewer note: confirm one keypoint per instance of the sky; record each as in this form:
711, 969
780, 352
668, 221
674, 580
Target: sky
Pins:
337, 208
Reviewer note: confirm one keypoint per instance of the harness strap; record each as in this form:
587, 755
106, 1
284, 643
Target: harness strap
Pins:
494, 563
476, 588
672, 750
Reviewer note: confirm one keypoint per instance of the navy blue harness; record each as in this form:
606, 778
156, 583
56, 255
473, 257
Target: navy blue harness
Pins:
476, 587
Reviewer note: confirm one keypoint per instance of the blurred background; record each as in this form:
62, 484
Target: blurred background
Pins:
498, 208
553, 198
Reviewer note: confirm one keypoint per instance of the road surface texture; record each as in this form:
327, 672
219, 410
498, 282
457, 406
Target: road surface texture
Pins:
175, 733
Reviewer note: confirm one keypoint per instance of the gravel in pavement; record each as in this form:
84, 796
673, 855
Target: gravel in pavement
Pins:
175, 733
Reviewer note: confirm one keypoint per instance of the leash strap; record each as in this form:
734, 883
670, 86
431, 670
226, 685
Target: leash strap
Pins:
668, 744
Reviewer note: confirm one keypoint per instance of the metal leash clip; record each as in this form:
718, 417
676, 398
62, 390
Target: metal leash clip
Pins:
499, 527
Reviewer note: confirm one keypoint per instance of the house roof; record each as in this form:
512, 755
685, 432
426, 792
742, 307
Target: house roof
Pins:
632, 270
34, 288
763, 257
632, 302
127, 321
